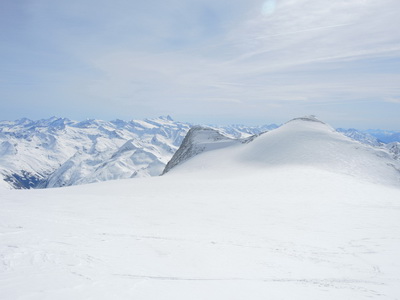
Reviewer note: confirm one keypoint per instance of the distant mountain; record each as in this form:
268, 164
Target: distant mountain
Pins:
59, 152
242, 131
376, 138
360, 136
386, 136
121, 150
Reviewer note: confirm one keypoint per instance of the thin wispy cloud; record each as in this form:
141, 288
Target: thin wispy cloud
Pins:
130, 58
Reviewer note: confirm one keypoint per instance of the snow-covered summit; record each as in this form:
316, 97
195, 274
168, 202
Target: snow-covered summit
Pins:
303, 142
310, 118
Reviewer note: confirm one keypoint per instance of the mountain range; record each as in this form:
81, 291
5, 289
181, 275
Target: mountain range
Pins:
59, 152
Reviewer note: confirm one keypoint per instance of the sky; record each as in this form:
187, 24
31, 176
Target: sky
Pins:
202, 61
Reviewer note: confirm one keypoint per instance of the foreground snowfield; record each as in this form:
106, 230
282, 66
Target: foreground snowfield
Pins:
263, 230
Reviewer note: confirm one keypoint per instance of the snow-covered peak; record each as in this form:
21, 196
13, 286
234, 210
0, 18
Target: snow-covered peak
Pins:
302, 142
128, 146
166, 118
310, 118
23, 121
203, 135
161, 121
200, 139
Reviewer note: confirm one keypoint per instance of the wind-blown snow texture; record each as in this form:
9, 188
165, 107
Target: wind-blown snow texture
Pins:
60, 152
276, 218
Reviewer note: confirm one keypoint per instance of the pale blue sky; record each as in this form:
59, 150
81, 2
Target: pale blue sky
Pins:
205, 61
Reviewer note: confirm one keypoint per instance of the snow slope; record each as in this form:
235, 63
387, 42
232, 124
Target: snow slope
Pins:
271, 224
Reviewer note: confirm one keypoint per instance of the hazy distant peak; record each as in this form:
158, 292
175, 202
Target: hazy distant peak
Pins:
166, 118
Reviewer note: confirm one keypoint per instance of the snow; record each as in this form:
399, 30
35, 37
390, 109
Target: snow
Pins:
244, 225
287, 233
